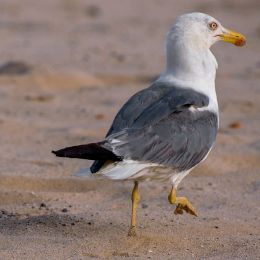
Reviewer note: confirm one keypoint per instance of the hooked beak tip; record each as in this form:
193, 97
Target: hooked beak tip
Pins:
233, 37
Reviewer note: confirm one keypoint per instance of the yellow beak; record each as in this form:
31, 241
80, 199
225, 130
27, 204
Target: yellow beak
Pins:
233, 37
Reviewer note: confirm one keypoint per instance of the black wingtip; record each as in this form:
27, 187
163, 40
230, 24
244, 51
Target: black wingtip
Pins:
56, 153
93, 151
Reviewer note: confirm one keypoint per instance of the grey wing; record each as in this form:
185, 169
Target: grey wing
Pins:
168, 132
137, 104
133, 108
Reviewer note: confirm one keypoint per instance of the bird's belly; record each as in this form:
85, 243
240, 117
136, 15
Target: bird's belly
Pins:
155, 173
134, 170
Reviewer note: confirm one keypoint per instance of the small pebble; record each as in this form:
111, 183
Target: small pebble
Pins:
99, 116
42, 205
235, 125
144, 206
14, 68
92, 11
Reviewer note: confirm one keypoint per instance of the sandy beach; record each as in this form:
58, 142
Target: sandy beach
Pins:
66, 67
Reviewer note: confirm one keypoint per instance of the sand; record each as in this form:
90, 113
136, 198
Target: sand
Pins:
79, 62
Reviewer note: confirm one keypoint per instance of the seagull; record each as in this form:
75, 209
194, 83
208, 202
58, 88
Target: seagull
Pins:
163, 131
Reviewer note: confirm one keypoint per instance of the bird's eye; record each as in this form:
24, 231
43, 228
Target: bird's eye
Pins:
213, 26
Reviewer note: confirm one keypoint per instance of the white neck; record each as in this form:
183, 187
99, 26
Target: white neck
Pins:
191, 66
189, 60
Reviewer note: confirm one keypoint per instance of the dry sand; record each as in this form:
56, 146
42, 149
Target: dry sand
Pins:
85, 59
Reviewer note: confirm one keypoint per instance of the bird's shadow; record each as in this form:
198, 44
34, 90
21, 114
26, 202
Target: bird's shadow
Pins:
68, 224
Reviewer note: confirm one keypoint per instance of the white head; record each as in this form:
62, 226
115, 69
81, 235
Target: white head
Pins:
203, 31
188, 43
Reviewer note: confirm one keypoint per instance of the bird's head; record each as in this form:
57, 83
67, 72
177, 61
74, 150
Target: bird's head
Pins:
203, 31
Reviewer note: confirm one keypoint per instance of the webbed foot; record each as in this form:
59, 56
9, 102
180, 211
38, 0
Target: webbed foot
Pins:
182, 203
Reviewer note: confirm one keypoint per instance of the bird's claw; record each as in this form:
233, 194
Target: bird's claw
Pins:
185, 205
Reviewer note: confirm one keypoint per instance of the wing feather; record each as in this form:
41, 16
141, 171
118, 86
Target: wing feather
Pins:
157, 126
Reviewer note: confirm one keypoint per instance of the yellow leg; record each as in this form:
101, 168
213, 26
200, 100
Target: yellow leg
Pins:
135, 201
181, 203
